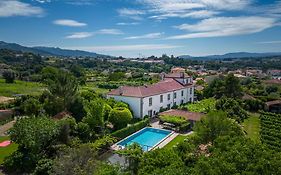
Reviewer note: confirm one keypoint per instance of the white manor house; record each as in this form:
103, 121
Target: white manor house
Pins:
174, 89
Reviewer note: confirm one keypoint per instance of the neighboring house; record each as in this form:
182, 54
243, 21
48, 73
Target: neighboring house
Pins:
173, 89
177, 70
275, 74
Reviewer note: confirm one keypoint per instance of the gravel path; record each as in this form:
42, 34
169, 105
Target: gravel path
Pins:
6, 127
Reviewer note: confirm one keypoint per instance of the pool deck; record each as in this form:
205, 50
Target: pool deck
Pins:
167, 140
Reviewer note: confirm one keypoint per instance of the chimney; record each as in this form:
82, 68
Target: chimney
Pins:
181, 74
121, 90
162, 76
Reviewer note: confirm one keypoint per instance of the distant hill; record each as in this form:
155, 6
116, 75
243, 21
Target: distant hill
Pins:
49, 51
233, 55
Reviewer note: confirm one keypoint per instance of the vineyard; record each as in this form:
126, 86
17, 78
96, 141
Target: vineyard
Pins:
270, 130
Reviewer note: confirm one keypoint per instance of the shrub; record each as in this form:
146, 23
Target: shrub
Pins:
205, 106
184, 127
120, 117
9, 76
106, 111
31, 106
176, 120
122, 133
253, 105
232, 109
83, 131
102, 144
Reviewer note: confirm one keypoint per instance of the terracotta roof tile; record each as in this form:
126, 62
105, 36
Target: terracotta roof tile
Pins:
164, 86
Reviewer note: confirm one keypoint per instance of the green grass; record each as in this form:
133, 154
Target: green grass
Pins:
175, 141
205, 105
6, 151
252, 127
20, 87
93, 86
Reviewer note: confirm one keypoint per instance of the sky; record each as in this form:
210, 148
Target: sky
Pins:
141, 28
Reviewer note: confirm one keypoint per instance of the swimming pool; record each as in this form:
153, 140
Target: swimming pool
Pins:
147, 138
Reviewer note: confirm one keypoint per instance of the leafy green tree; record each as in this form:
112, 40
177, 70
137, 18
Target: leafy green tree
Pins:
67, 127
216, 124
271, 88
228, 86
233, 87
82, 160
238, 155
83, 131
31, 106
62, 88
94, 116
35, 137
106, 111
232, 109
214, 89
161, 161
120, 117
9, 76
133, 154
116, 76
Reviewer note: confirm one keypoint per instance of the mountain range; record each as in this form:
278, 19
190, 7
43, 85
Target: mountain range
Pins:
56, 51
49, 51
233, 55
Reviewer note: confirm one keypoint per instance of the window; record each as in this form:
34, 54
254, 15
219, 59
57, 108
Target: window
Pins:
181, 101
161, 98
150, 113
175, 95
168, 106
190, 90
169, 96
182, 93
150, 101
175, 103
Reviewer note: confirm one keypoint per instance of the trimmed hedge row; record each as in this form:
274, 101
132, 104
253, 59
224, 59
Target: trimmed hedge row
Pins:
122, 133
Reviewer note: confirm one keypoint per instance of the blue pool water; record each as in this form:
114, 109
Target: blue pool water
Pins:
146, 138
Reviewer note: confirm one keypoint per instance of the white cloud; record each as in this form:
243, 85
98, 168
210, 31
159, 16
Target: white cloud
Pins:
146, 36
269, 42
163, 9
225, 26
17, 8
131, 13
127, 23
183, 5
69, 22
192, 14
80, 2
79, 35
42, 1
110, 32
127, 47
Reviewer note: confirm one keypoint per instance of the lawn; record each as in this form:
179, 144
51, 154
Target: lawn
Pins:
6, 151
93, 86
20, 87
33, 88
205, 105
175, 141
252, 127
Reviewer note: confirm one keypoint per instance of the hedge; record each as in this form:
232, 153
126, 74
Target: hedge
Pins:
122, 133
176, 120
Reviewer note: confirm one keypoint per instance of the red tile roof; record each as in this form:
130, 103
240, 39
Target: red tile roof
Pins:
176, 75
194, 116
273, 81
275, 102
164, 86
